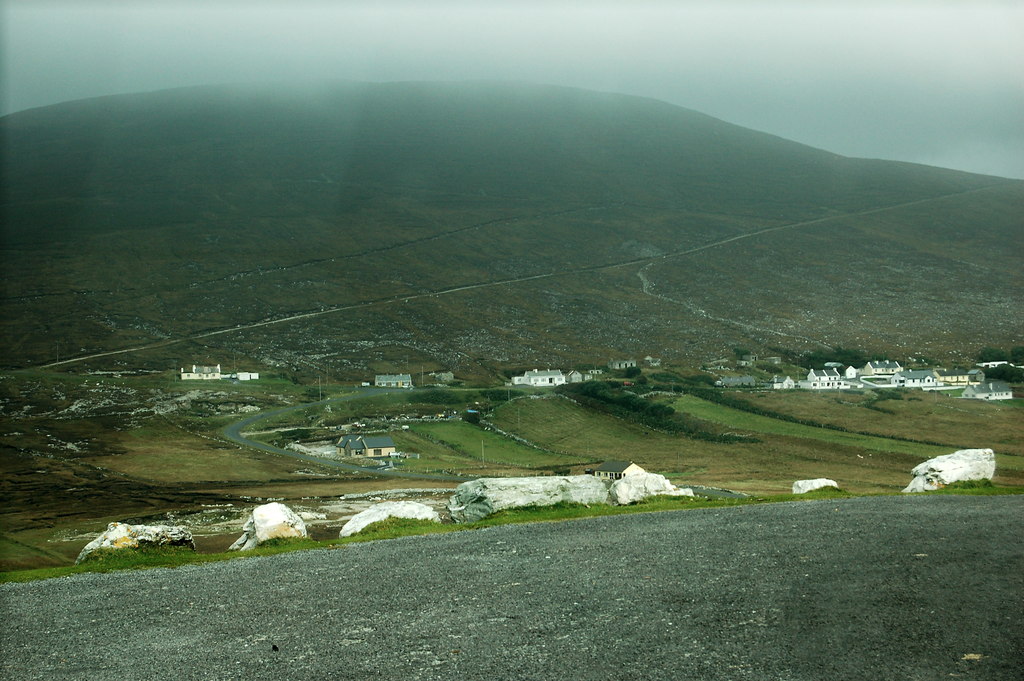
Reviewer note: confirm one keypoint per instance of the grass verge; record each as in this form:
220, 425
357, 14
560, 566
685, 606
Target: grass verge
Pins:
392, 528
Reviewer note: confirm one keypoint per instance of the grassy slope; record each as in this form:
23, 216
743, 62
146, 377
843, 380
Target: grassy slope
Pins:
351, 193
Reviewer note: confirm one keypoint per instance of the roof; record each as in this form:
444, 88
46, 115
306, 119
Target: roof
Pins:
614, 466
544, 373
825, 373
366, 442
917, 373
393, 377
990, 387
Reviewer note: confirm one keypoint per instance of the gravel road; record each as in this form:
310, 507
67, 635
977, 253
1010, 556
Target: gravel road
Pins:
907, 587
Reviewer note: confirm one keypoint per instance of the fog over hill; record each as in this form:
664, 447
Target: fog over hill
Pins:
466, 224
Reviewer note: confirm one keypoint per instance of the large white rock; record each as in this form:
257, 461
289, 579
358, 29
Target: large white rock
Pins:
477, 499
388, 509
125, 536
269, 521
966, 464
638, 486
804, 486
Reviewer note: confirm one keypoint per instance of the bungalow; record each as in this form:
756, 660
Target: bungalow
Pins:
622, 363
200, 373
392, 381
881, 368
540, 378
614, 470
824, 379
992, 390
366, 445
780, 383
578, 376
916, 378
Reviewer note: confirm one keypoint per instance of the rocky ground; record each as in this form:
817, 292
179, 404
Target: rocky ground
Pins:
866, 588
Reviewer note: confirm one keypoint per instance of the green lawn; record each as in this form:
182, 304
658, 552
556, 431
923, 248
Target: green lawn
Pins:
488, 447
736, 418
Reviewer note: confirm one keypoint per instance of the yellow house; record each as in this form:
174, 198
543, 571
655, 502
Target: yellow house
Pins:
613, 470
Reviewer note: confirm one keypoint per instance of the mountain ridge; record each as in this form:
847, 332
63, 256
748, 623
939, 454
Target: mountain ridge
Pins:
401, 190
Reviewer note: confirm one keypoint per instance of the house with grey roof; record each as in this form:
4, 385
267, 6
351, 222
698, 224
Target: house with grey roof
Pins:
201, 373
736, 382
367, 445
916, 378
622, 363
782, 383
615, 470
392, 381
883, 367
540, 378
824, 379
990, 390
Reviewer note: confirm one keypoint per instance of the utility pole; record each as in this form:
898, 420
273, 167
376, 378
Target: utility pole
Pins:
481, 451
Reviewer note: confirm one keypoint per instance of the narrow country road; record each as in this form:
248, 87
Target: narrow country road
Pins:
234, 434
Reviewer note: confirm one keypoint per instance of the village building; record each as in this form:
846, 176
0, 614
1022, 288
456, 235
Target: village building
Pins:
371, 446
960, 377
883, 367
202, 373
782, 383
392, 381
614, 470
851, 372
247, 376
916, 378
652, 361
824, 379
575, 376
990, 390
622, 364
540, 378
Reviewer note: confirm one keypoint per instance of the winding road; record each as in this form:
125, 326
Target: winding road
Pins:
234, 434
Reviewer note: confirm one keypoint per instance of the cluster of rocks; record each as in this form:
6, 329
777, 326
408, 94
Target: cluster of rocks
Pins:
480, 498
961, 466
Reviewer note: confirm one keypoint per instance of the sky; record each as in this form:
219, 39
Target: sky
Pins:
939, 82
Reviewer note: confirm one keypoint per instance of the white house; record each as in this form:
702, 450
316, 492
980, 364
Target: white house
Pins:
991, 390
248, 376
824, 379
201, 373
540, 378
392, 381
851, 372
578, 377
615, 470
881, 368
780, 383
621, 363
916, 378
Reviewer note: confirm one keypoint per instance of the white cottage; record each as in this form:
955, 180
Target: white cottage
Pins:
916, 378
201, 373
824, 379
538, 378
991, 390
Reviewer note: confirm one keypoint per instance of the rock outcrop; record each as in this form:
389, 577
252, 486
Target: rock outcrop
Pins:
966, 464
477, 499
804, 486
125, 536
269, 521
388, 509
638, 486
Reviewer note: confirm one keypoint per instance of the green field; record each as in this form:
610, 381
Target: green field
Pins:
487, 447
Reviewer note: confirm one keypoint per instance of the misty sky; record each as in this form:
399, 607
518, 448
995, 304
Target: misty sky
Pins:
930, 81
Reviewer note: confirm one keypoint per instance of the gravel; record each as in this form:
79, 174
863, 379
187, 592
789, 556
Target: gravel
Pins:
907, 587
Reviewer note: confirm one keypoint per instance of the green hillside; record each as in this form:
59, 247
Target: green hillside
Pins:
584, 224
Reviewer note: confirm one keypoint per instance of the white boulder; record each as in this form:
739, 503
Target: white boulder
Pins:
125, 536
269, 521
388, 509
804, 486
966, 464
638, 486
477, 499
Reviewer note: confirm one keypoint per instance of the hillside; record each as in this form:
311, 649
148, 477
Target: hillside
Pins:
576, 225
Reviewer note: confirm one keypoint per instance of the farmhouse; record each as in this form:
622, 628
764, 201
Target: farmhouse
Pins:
392, 381
992, 390
540, 378
622, 364
201, 373
366, 445
613, 470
